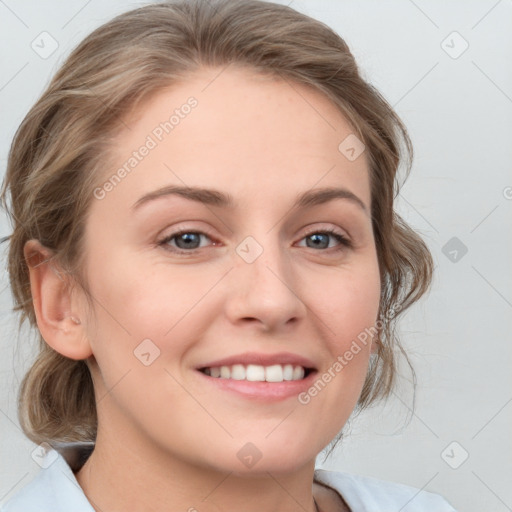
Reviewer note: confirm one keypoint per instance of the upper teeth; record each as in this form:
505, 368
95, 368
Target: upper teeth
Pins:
255, 372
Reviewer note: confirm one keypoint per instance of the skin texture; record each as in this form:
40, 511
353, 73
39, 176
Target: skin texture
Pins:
168, 439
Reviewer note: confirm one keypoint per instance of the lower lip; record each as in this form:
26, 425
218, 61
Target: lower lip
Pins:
264, 391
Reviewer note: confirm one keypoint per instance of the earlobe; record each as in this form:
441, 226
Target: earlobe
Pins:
57, 318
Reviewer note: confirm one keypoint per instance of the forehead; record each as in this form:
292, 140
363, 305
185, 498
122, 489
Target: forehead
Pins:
236, 129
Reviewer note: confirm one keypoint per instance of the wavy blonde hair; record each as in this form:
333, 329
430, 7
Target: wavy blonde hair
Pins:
62, 146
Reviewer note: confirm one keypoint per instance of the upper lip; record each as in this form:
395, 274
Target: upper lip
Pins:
261, 359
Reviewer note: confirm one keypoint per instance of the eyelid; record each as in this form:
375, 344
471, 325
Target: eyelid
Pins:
185, 227
344, 240
180, 231
327, 229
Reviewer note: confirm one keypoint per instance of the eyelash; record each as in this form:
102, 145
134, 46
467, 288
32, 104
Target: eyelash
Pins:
344, 243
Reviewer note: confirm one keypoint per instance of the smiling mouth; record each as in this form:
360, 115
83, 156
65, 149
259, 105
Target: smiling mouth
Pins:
258, 373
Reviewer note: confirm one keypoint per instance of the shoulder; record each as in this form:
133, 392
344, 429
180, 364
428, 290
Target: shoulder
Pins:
53, 489
367, 494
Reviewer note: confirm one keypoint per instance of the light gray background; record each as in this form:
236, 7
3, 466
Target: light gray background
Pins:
459, 113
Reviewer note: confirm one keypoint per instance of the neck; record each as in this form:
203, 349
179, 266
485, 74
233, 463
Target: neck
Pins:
127, 476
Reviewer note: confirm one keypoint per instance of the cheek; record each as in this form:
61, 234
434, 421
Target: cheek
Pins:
349, 305
136, 302
349, 301
139, 297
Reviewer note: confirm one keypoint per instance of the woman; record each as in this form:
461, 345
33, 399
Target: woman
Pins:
204, 236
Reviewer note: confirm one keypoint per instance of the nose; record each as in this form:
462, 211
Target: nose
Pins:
264, 291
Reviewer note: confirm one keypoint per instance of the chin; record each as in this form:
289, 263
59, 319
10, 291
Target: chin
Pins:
260, 458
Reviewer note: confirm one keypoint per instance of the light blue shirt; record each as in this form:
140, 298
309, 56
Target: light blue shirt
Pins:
55, 489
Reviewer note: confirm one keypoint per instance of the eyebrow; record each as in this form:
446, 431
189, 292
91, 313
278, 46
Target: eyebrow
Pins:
221, 199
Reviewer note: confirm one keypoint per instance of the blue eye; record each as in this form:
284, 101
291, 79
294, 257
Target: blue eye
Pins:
188, 242
320, 239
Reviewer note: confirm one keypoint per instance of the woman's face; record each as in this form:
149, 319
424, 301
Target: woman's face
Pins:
253, 285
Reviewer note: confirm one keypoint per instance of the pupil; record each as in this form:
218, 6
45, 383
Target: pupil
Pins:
316, 238
189, 239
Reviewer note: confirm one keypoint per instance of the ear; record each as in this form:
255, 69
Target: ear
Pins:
57, 312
